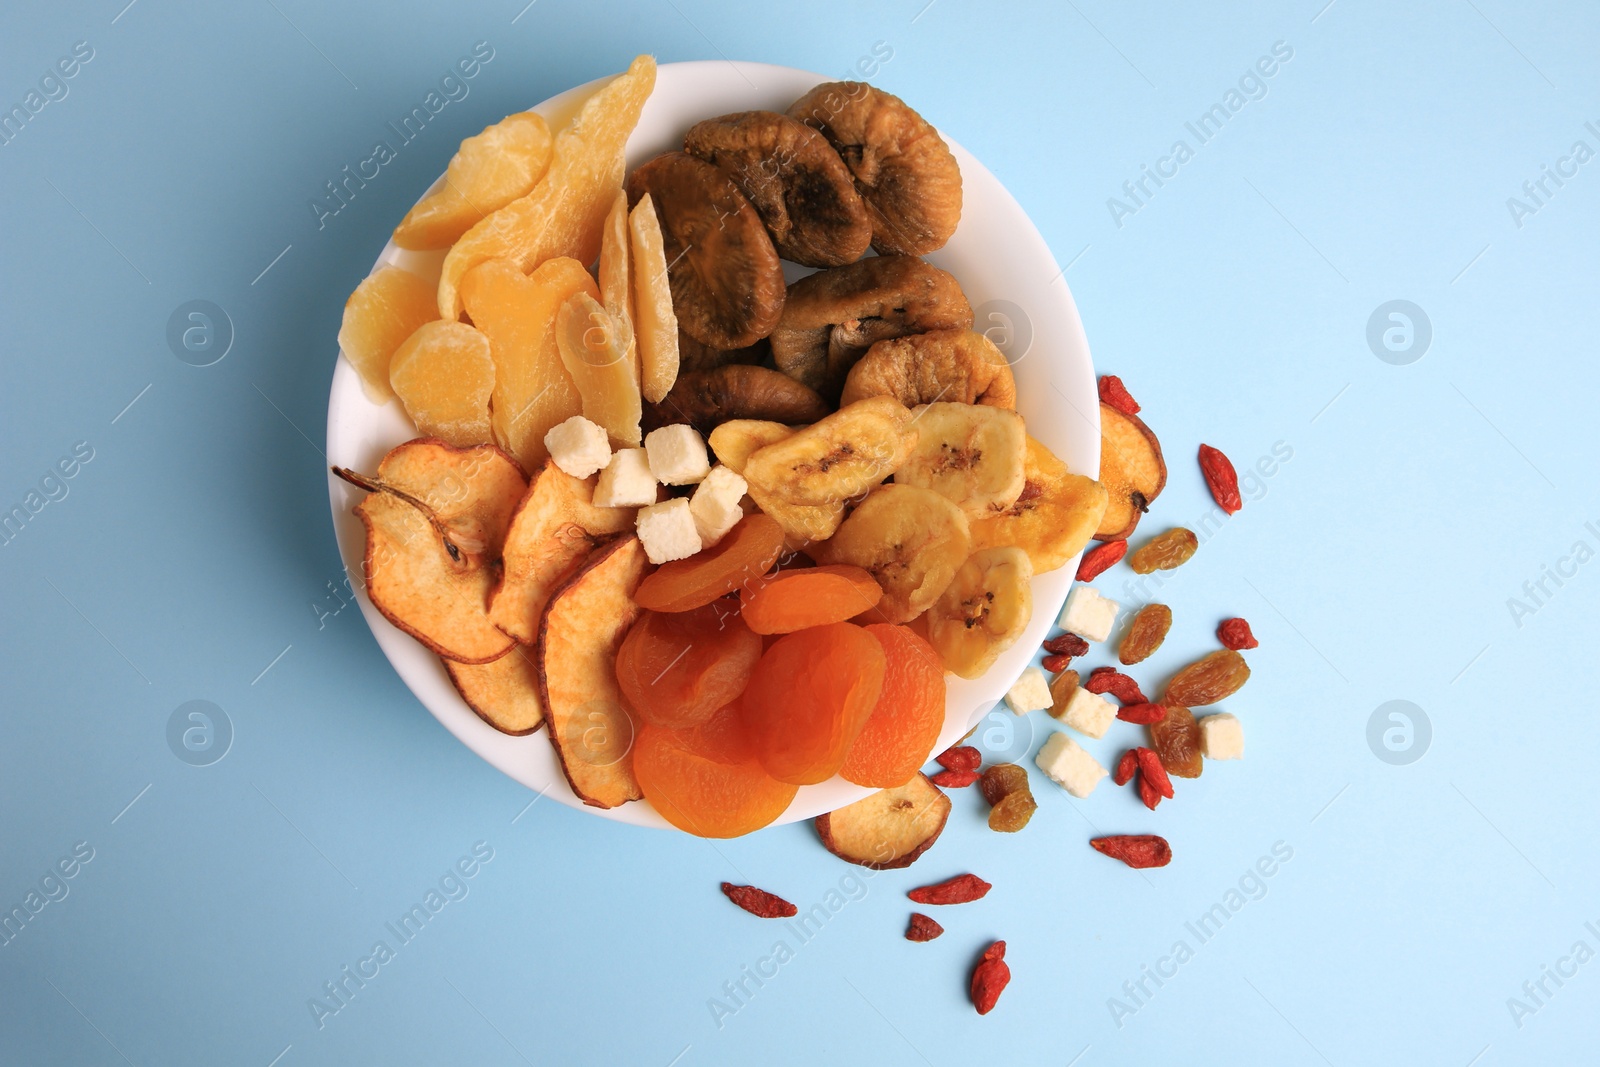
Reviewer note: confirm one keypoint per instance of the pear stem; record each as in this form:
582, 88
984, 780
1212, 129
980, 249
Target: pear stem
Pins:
373, 485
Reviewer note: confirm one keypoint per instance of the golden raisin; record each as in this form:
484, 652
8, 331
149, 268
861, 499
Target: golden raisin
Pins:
1061, 689
1002, 780
1164, 551
1176, 740
1013, 812
1208, 680
1145, 633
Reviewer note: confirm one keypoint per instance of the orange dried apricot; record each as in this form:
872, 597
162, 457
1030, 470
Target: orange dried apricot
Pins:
795, 599
811, 694
676, 669
906, 720
702, 795
721, 738
744, 554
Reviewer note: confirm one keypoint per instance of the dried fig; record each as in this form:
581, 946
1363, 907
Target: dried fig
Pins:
956, 366
692, 355
707, 398
794, 179
727, 283
832, 317
902, 167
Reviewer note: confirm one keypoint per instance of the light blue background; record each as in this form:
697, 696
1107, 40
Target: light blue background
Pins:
196, 545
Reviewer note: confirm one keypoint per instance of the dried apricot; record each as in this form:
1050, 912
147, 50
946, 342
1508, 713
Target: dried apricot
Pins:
744, 554
811, 694
677, 668
1164, 551
906, 720
722, 738
1176, 740
701, 795
795, 599
1145, 633
1209, 679
444, 374
385, 309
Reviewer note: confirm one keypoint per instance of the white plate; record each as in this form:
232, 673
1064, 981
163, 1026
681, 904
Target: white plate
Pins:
1020, 299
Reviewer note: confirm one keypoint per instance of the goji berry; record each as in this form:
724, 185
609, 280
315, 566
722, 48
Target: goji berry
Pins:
954, 779
1126, 767
1096, 561
962, 889
959, 758
1056, 664
1136, 850
1221, 479
1149, 793
1141, 714
758, 902
1113, 392
922, 928
1235, 634
1110, 680
1067, 645
990, 977
1153, 772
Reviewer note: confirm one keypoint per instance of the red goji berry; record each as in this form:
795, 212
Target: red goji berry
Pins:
1099, 558
990, 977
962, 889
1153, 772
1056, 664
922, 928
1113, 392
1136, 850
1110, 680
758, 902
1149, 793
1142, 714
1235, 634
1221, 479
954, 779
960, 758
1126, 766
1067, 645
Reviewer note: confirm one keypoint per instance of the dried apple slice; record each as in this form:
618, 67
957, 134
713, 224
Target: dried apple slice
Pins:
487, 172
594, 348
436, 519
590, 728
1053, 516
889, 829
504, 692
655, 324
554, 528
1132, 470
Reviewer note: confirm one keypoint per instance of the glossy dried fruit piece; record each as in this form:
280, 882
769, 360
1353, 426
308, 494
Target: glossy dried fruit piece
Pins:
487, 172
990, 978
1152, 771
758, 902
1001, 780
1176, 740
1012, 812
677, 668
444, 374
1136, 850
1221, 479
1067, 645
745, 553
1149, 795
809, 698
1165, 551
1127, 767
962, 889
386, 308
1100, 558
1110, 680
922, 928
1142, 714
1113, 392
598, 351
791, 600
1056, 664
704, 780
960, 758
1145, 633
954, 779
908, 716
1062, 687
1235, 634
1209, 679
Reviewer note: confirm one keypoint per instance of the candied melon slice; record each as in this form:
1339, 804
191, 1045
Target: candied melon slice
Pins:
517, 312
595, 352
444, 374
655, 324
386, 308
488, 171
616, 274
564, 213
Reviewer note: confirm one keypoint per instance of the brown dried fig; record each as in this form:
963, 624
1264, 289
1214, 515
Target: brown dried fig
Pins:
960, 366
692, 355
707, 398
832, 317
902, 167
794, 179
727, 283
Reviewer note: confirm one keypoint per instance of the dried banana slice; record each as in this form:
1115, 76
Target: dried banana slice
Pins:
970, 453
983, 610
911, 539
1053, 517
735, 441
836, 458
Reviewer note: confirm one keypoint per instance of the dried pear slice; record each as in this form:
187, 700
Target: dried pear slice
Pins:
889, 829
